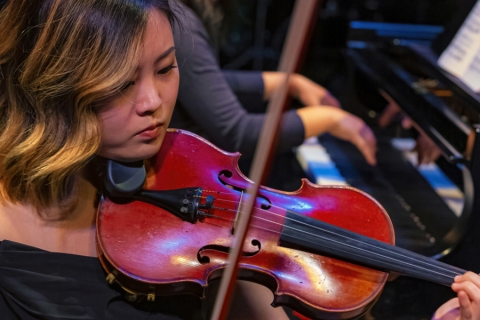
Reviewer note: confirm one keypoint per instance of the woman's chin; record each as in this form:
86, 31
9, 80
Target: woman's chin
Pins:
132, 154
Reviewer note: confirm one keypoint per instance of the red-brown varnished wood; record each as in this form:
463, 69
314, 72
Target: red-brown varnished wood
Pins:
156, 252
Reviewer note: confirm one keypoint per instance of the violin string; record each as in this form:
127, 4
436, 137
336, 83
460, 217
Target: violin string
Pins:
328, 231
453, 273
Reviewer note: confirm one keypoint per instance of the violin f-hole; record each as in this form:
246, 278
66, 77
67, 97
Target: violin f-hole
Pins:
225, 175
204, 259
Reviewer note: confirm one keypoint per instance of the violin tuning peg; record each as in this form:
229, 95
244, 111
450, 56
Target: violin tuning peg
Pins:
151, 297
110, 278
128, 294
131, 297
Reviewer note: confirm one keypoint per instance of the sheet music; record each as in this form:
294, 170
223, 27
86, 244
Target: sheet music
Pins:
462, 57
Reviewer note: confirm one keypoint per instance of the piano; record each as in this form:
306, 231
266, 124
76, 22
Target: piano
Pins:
435, 210
400, 62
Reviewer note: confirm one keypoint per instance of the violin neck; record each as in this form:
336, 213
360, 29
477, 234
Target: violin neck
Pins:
314, 236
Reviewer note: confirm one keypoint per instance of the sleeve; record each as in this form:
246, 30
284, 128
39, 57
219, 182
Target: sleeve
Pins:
205, 96
248, 87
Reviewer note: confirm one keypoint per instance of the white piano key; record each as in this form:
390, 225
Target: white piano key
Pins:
318, 165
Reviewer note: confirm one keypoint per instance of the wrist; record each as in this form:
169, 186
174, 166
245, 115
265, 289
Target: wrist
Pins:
319, 119
294, 85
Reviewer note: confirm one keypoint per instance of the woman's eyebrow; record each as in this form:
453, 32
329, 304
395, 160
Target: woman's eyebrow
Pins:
165, 54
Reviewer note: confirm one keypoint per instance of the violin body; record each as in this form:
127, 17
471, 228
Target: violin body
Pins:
151, 252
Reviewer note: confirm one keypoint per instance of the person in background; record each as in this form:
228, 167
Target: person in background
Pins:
230, 113
227, 107
427, 151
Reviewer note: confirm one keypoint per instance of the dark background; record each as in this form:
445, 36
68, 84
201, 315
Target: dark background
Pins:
331, 28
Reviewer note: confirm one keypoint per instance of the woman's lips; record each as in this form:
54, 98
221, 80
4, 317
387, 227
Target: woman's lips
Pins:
150, 132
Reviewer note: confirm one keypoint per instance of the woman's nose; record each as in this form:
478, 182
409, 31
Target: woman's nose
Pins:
150, 99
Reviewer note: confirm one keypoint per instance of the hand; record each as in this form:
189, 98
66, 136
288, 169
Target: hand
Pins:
467, 304
351, 128
391, 111
341, 124
427, 150
310, 93
467, 287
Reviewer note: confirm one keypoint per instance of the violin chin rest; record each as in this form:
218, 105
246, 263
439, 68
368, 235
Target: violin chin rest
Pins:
124, 178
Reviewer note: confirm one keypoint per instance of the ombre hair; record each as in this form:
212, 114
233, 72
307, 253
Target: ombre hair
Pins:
59, 60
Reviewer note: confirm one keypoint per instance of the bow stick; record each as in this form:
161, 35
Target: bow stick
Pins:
300, 25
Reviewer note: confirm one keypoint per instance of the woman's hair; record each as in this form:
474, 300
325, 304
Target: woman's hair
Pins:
59, 60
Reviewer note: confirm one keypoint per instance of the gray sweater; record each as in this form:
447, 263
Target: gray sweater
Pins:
225, 107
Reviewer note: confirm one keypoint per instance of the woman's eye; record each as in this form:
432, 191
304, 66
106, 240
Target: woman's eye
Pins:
167, 69
127, 85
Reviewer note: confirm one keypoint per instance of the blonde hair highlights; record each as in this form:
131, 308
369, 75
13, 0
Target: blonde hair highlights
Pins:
59, 60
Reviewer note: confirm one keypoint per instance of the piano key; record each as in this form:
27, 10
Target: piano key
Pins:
445, 188
417, 211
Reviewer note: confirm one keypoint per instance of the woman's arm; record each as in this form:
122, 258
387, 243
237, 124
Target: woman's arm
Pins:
206, 99
301, 88
248, 88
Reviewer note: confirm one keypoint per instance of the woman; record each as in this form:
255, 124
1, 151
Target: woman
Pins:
227, 106
78, 78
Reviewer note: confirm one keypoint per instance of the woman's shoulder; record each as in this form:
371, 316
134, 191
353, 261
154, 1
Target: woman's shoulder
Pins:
11, 219
22, 224
18, 223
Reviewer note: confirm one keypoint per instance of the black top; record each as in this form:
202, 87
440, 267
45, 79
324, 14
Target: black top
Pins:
37, 284
224, 107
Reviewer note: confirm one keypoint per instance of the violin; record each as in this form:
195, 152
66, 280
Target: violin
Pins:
323, 251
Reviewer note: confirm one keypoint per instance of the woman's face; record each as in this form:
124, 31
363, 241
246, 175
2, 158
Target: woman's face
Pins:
135, 122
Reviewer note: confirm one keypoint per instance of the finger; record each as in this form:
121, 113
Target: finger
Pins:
427, 150
436, 154
421, 159
469, 276
470, 289
367, 151
366, 142
465, 306
424, 156
432, 155
407, 123
387, 115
